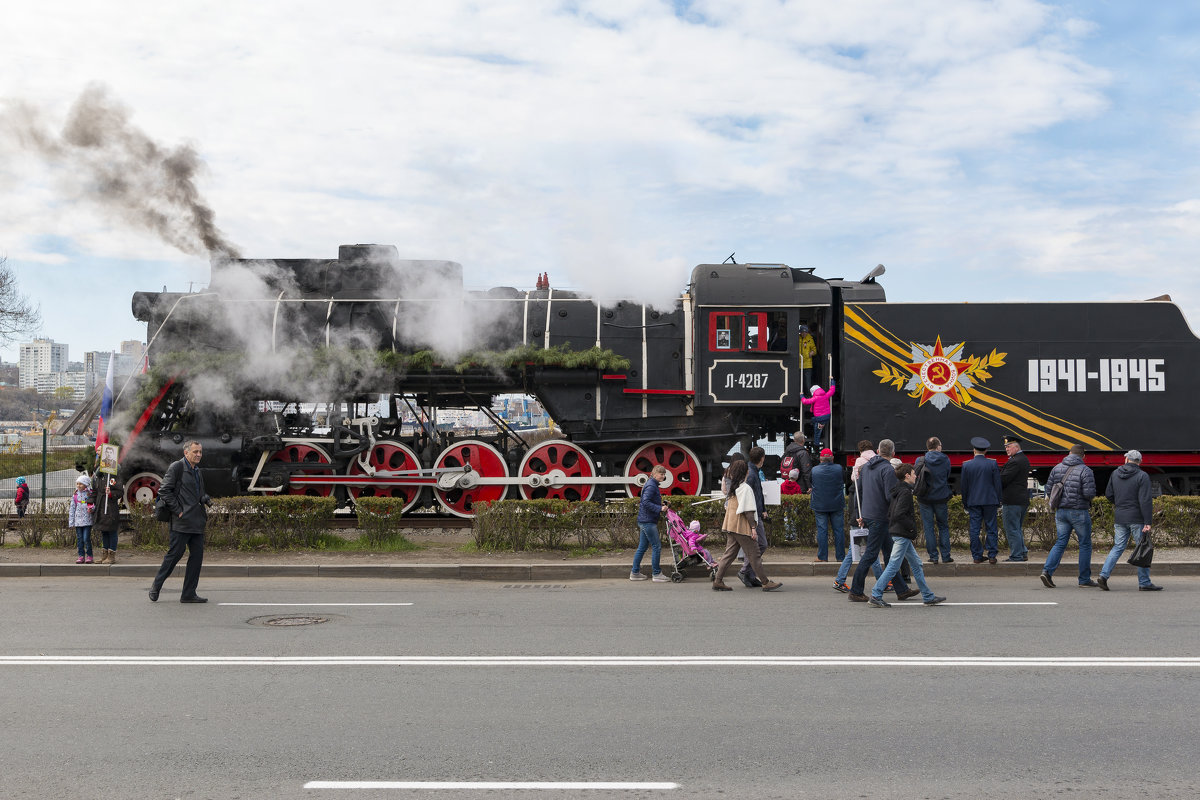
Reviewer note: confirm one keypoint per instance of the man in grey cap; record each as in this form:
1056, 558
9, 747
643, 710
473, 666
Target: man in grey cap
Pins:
980, 487
1129, 491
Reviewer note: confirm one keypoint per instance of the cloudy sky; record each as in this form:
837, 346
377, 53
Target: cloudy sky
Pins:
1004, 150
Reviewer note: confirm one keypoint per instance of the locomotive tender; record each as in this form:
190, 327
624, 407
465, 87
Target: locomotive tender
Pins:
719, 368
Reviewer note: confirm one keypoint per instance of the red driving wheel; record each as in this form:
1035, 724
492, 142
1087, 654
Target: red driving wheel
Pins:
142, 488
306, 454
683, 468
386, 456
559, 461
485, 462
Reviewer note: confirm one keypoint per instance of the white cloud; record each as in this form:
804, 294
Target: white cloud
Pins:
612, 144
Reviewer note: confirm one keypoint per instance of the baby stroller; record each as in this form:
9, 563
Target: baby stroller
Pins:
686, 549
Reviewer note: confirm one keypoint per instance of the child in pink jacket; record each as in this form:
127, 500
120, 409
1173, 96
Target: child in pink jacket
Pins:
820, 401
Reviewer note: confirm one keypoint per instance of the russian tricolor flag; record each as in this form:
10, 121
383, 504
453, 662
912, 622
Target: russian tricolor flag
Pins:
106, 403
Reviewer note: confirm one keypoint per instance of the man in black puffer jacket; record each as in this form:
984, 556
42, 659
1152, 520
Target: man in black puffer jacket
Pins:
875, 484
902, 525
1073, 513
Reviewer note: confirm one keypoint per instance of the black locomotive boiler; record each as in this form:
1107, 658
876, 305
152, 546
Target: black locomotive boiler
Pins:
278, 390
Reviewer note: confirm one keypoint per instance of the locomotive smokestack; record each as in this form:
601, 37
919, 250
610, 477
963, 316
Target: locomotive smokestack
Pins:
873, 274
124, 171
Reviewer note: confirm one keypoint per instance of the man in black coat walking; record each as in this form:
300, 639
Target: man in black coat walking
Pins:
183, 492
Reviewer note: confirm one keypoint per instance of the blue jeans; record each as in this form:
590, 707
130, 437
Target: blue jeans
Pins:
819, 425
1123, 535
879, 541
1066, 519
844, 570
1014, 521
983, 517
824, 520
83, 540
903, 550
939, 539
649, 538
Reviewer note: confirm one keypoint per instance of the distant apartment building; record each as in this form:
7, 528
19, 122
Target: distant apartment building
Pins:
81, 383
41, 357
132, 348
96, 363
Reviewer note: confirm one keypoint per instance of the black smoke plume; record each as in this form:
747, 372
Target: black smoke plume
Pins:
124, 171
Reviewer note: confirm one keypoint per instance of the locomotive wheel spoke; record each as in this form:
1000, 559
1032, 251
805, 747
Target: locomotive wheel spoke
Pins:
683, 467
560, 460
387, 456
303, 453
484, 460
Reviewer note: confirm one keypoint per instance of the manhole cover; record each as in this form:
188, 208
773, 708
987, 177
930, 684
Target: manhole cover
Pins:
291, 620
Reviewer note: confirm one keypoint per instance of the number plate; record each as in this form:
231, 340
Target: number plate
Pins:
747, 381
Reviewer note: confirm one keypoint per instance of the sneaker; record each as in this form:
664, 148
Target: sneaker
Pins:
1047, 581
771, 586
857, 598
931, 561
935, 601
876, 603
1088, 584
841, 587
661, 578
79, 560
908, 594
947, 560
1153, 587
89, 560
1102, 582
638, 576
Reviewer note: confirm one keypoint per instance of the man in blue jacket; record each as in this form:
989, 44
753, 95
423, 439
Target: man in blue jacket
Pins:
828, 503
935, 493
649, 510
980, 487
875, 482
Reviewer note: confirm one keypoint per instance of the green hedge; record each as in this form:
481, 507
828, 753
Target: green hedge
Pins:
380, 520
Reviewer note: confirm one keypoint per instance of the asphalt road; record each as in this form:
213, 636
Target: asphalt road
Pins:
793, 694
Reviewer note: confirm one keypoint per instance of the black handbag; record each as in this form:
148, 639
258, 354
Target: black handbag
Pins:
1143, 553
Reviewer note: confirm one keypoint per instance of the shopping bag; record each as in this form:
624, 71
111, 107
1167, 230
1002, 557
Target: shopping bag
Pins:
1143, 553
858, 543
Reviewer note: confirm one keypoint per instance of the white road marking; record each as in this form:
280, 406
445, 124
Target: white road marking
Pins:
314, 604
607, 661
610, 785
922, 605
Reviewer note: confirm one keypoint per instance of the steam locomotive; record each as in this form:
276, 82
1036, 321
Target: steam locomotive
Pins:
675, 386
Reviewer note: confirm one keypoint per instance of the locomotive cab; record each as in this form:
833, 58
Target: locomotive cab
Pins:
748, 334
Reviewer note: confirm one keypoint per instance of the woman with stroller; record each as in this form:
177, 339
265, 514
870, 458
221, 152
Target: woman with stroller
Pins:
649, 510
740, 529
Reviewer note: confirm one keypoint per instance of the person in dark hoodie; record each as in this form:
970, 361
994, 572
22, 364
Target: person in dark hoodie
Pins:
1073, 513
934, 499
902, 525
109, 491
875, 483
1129, 491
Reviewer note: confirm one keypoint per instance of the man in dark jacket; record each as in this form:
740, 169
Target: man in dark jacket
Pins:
183, 492
1014, 497
875, 482
828, 503
980, 487
795, 456
902, 525
1074, 513
1129, 491
932, 502
649, 510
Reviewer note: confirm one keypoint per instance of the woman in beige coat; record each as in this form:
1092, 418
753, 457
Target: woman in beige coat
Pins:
739, 529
